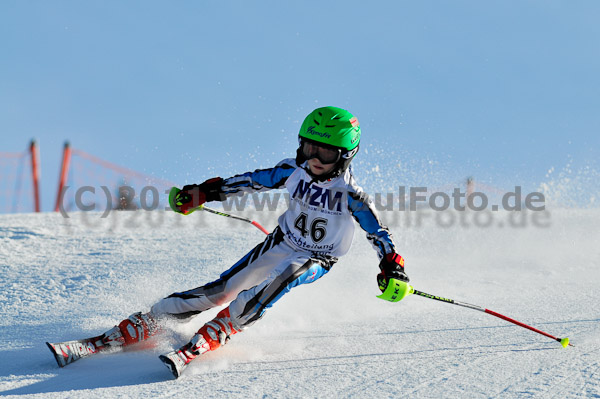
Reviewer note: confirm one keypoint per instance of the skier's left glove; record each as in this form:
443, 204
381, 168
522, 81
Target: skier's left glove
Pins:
391, 266
192, 196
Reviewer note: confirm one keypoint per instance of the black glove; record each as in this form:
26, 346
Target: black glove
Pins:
392, 266
193, 195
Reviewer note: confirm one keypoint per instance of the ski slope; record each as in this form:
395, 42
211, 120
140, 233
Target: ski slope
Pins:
71, 278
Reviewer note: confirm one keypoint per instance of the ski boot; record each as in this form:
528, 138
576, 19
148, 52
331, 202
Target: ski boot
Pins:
211, 336
136, 328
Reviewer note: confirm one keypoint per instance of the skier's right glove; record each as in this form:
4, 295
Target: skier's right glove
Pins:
192, 196
391, 266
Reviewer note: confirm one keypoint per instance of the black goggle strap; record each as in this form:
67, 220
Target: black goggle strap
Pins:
350, 154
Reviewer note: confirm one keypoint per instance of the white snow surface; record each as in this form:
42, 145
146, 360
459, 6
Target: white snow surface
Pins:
64, 279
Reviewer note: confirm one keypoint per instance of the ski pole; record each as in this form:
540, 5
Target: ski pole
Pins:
243, 219
175, 190
398, 290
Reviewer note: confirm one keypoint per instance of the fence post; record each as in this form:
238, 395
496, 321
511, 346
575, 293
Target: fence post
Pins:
35, 173
64, 173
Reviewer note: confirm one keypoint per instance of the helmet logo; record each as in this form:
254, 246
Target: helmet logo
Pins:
354, 121
313, 132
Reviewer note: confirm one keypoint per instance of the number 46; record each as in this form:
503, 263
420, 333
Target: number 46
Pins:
317, 227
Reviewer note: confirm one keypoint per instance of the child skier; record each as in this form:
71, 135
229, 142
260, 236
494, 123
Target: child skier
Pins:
313, 232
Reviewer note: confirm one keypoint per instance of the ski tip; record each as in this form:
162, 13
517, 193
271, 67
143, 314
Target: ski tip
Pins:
565, 342
56, 356
170, 365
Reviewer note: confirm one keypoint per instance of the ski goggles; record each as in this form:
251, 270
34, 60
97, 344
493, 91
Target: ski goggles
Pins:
325, 154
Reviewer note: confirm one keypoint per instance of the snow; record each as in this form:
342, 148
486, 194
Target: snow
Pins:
71, 278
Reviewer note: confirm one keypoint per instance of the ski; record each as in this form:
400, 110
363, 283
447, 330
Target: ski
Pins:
70, 351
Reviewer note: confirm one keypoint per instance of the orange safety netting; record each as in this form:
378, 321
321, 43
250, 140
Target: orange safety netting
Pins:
16, 188
96, 184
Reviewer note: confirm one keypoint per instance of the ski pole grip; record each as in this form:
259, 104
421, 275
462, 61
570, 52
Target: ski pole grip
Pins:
396, 290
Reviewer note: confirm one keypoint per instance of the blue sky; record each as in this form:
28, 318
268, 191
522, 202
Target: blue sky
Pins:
502, 90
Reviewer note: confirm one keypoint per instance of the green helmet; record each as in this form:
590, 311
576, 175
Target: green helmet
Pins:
331, 127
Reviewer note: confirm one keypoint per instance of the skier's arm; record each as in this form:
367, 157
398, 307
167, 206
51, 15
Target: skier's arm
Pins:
391, 264
218, 189
259, 180
362, 209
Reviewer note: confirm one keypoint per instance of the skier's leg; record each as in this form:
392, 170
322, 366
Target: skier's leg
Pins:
247, 272
253, 268
250, 305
